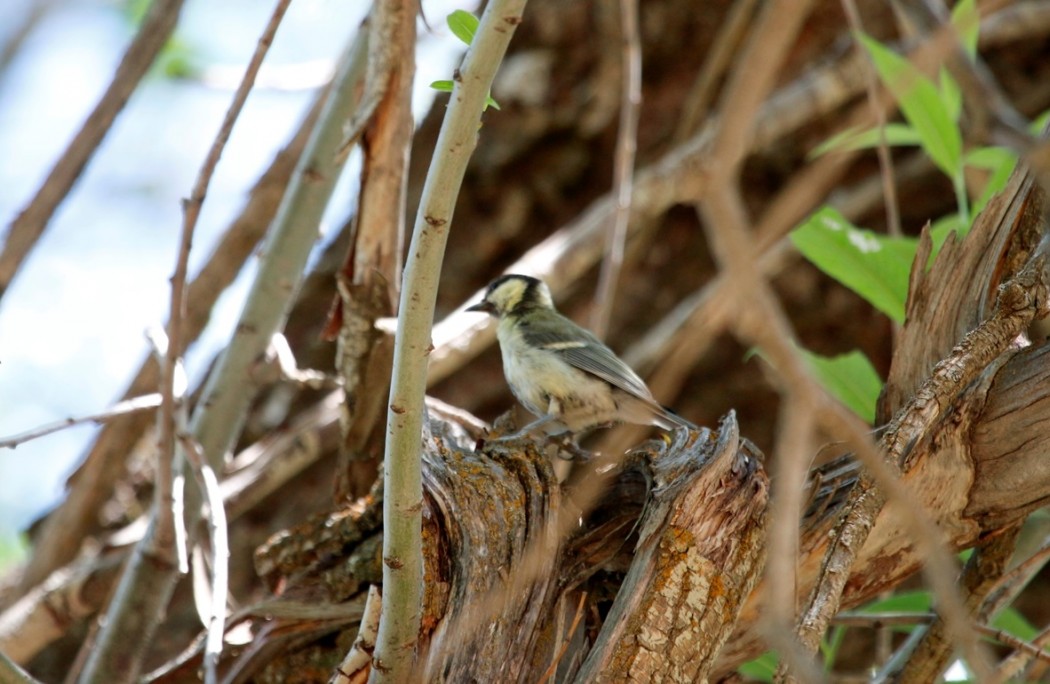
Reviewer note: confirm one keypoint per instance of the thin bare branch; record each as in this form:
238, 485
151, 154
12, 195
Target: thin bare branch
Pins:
219, 553
726, 221
871, 85
16, 36
354, 667
623, 170
1007, 670
123, 408
1010, 668
1010, 585
230, 388
933, 651
92, 484
145, 588
727, 42
29, 225
11, 673
794, 450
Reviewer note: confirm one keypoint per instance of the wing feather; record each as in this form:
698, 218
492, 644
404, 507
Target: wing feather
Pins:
581, 349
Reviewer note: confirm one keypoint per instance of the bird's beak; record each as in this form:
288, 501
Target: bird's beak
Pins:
483, 306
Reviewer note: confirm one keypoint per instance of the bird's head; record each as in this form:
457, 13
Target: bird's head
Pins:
514, 294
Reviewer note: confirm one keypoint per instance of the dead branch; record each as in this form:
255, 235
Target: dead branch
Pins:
370, 280
699, 553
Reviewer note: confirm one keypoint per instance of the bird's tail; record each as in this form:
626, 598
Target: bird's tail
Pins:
669, 420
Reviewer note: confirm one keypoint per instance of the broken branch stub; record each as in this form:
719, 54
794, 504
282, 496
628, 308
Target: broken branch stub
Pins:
700, 552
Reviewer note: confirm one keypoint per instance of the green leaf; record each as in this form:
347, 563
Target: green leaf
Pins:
922, 105
874, 266
967, 21
1001, 162
991, 158
942, 228
831, 645
761, 669
464, 25
1039, 123
446, 87
950, 95
850, 378
901, 602
1011, 621
897, 135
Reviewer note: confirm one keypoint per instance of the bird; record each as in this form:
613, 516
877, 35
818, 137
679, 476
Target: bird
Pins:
561, 372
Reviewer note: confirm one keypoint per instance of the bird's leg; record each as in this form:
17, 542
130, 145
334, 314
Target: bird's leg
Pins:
569, 450
524, 431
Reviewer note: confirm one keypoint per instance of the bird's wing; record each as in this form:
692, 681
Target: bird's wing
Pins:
583, 350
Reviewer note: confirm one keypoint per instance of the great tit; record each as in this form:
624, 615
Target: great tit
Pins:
560, 372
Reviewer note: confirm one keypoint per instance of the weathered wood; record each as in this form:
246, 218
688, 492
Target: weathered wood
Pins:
700, 552
958, 291
502, 586
1011, 441
484, 514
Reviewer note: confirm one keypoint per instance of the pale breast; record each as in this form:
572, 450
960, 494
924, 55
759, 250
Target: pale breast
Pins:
537, 377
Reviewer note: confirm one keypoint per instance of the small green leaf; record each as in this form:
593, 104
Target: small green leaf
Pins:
761, 669
850, 378
1040, 123
901, 602
1012, 622
967, 21
831, 645
1000, 162
942, 228
991, 158
463, 25
897, 135
446, 87
922, 105
950, 95
874, 266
